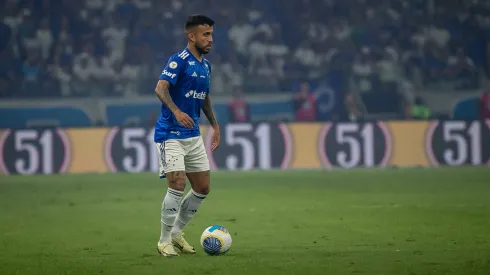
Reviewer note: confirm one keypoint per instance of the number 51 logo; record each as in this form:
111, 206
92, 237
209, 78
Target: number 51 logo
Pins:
457, 143
247, 146
34, 151
351, 145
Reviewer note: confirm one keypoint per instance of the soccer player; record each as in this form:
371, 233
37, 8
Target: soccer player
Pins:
183, 89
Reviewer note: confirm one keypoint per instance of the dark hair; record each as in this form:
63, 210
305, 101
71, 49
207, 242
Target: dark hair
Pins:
196, 20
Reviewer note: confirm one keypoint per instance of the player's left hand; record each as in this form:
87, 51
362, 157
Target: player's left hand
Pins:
215, 139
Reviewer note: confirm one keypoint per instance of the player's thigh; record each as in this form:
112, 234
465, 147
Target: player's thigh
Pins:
172, 163
197, 166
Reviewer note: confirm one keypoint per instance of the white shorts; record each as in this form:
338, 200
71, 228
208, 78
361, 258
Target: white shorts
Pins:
187, 155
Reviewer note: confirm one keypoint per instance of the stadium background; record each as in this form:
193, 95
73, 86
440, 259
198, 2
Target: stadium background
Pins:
377, 78
322, 86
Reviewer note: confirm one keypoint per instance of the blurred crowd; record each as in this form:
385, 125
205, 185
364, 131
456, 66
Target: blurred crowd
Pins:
53, 48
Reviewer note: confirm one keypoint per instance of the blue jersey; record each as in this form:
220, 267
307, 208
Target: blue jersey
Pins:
189, 85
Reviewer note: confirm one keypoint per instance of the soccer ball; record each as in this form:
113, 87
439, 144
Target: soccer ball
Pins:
216, 240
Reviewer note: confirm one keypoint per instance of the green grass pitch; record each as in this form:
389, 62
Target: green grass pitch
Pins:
406, 221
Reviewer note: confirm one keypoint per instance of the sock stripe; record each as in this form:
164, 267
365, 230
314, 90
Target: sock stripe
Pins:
197, 195
175, 192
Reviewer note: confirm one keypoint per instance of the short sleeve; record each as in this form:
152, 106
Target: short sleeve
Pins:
172, 70
208, 67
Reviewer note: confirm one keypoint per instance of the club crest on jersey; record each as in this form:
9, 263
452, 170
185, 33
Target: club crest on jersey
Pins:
169, 74
194, 94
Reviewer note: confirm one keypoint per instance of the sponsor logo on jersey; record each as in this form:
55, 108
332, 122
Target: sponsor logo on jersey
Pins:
169, 74
194, 74
194, 94
189, 93
192, 63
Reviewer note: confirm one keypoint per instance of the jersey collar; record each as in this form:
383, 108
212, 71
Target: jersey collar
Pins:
191, 55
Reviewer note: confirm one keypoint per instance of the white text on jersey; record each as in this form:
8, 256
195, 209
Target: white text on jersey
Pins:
169, 74
194, 94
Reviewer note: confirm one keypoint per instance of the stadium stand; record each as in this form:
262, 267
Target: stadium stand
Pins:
99, 59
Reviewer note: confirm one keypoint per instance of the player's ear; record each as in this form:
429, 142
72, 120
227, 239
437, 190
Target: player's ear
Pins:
191, 36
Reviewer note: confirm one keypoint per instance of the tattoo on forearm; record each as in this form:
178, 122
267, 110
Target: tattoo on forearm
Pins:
162, 92
207, 109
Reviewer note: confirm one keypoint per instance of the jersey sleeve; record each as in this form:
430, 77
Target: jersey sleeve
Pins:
172, 70
209, 75
209, 66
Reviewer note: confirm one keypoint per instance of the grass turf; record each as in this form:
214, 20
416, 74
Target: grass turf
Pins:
408, 221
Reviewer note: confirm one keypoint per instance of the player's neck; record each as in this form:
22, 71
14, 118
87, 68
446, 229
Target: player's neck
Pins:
195, 52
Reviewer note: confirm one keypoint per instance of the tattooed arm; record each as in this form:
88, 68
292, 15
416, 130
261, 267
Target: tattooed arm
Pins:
207, 109
163, 94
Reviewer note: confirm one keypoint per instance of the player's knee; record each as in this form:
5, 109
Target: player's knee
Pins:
204, 190
176, 180
177, 184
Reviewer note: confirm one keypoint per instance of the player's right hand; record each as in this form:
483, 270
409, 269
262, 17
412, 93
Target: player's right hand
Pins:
184, 119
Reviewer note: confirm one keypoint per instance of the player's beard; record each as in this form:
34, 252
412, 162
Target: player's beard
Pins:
202, 50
